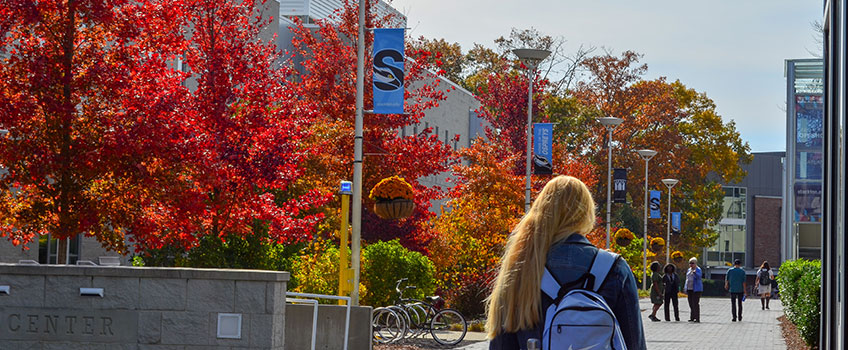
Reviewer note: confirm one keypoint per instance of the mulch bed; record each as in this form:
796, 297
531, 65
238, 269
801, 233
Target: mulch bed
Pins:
790, 333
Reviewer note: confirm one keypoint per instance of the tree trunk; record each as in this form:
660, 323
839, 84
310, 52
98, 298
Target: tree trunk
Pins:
62, 252
66, 183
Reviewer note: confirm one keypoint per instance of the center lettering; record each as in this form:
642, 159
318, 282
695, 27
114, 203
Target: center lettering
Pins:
51, 324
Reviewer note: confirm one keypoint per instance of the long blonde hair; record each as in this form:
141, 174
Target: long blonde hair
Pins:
564, 206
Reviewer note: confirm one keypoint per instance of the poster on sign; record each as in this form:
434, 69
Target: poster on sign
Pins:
388, 71
808, 201
543, 148
655, 205
619, 181
675, 222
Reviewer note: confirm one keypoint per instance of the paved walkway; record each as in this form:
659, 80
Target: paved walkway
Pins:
760, 329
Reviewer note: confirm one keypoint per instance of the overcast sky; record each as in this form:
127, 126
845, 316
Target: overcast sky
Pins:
732, 50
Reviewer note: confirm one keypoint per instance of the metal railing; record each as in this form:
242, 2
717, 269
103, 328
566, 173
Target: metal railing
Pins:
299, 298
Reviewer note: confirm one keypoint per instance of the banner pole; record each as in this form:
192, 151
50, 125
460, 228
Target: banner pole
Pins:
357, 157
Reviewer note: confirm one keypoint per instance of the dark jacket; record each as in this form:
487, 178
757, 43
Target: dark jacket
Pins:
672, 283
568, 260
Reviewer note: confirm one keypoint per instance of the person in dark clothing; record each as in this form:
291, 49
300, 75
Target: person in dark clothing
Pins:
656, 291
552, 234
672, 286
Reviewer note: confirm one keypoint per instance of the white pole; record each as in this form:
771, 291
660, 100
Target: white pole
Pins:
609, 184
529, 138
357, 157
645, 234
668, 230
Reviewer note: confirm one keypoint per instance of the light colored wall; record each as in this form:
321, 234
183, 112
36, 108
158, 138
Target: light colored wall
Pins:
141, 308
330, 327
12, 254
451, 116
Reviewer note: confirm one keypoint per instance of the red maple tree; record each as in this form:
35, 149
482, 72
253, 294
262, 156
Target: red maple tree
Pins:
327, 62
85, 109
247, 127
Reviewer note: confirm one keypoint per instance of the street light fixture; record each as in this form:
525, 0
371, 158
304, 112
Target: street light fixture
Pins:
531, 59
609, 123
646, 154
668, 183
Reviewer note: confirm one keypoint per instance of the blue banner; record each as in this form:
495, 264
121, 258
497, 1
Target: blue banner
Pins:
543, 148
655, 205
675, 222
388, 71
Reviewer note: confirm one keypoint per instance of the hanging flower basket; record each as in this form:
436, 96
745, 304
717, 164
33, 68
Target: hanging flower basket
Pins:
393, 198
623, 237
657, 244
677, 256
394, 209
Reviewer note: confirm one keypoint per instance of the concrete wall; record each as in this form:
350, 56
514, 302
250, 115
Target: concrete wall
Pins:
142, 308
330, 327
12, 254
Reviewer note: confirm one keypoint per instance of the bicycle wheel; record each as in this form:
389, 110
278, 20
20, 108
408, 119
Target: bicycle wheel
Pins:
448, 327
388, 326
408, 330
418, 318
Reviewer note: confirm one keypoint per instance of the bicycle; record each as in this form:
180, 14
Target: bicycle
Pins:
412, 317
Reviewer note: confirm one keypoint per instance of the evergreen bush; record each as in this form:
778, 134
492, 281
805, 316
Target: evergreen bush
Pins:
800, 287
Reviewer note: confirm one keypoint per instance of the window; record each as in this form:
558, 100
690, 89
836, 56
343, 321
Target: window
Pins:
731, 242
48, 249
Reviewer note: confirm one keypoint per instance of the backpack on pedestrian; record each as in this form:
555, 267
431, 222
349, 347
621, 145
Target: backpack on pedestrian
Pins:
764, 278
579, 317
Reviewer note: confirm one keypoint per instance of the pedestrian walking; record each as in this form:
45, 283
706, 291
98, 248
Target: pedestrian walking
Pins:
656, 290
764, 281
694, 287
552, 234
734, 283
672, 286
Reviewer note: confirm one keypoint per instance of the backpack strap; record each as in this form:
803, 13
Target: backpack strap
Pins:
601, 266
550, 286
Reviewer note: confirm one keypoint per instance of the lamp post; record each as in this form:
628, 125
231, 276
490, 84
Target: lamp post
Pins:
356, 205
646, 154
531, 59
609, 123
668, 183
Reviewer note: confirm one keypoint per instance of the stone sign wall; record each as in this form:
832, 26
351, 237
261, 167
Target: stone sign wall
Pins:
140, 308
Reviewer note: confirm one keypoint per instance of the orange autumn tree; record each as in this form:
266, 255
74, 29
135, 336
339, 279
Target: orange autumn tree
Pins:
679, 123
488, 199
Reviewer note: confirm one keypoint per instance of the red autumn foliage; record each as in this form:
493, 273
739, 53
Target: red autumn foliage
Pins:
327, 75
106, 138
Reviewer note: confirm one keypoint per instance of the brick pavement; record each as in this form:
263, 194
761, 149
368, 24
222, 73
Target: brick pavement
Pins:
759, 330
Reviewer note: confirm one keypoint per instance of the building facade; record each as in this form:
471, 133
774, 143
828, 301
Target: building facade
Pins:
802, 205
749, 229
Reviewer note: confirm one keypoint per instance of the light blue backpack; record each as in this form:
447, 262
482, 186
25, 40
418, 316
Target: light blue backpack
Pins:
579, 318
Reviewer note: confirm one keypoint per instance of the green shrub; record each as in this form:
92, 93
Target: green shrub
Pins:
800, 287
316, 269
383, 263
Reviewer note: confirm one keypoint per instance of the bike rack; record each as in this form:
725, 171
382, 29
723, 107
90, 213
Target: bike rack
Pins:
315, 310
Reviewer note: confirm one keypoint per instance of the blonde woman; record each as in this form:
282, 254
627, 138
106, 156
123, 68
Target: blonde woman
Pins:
553, 233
